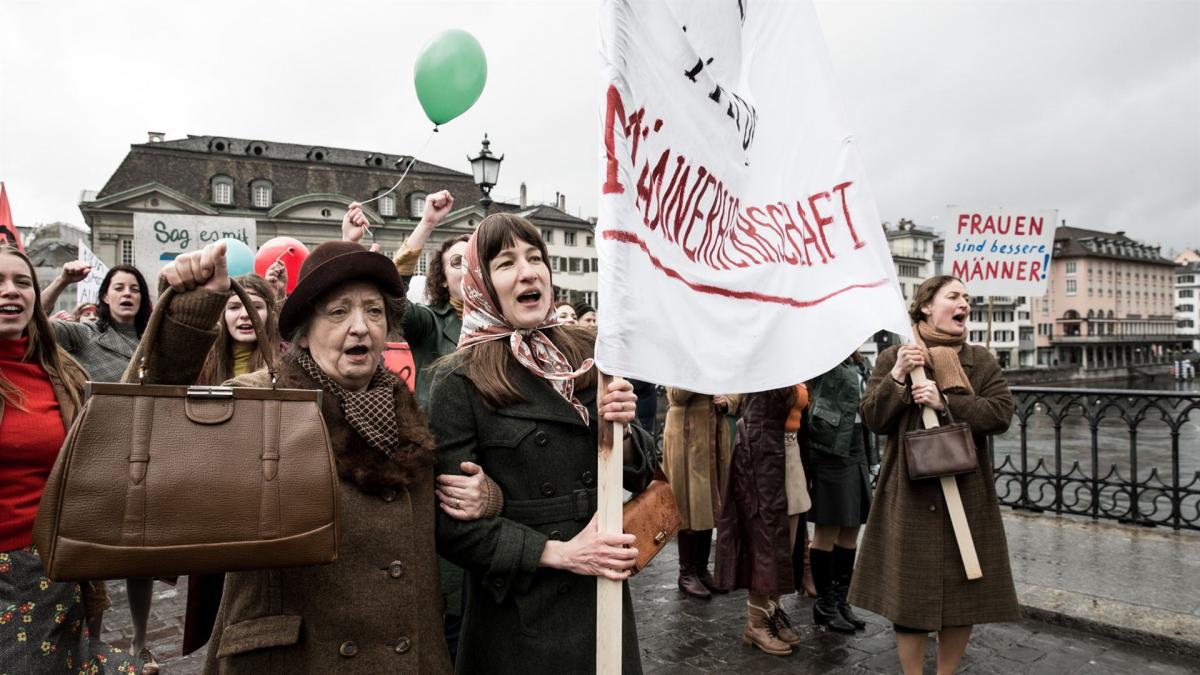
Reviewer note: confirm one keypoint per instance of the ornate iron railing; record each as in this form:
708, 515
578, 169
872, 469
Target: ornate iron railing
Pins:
1134, 489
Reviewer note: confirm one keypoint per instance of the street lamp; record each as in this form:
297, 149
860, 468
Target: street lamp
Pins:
486, 168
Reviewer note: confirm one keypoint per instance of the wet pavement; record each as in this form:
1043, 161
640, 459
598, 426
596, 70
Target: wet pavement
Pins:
1120, 583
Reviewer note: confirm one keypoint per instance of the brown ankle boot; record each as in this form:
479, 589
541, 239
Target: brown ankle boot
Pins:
760, 631
782, 623
689, 583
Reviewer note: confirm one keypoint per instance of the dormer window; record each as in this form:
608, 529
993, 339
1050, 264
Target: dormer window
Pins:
260, 194
222, 190
375, 160
318, 154
416, 203
256, 149
387, 206
218, 145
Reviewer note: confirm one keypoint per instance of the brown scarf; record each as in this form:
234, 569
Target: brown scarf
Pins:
372, 413
941, 353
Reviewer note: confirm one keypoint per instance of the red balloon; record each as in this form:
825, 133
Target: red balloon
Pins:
290, 251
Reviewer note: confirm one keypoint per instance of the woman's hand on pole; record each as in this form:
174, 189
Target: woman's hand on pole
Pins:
593, 554
205, 268
909, 357
463, 497
927, 393
619, 403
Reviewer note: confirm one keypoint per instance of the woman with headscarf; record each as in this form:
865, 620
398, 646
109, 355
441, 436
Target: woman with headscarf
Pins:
909, 568
378, 607
519, 398
45, 626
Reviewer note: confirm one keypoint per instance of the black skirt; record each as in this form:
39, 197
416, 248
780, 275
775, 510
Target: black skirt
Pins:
841, 486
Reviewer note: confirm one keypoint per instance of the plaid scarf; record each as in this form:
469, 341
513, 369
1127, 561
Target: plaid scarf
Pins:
483, 321
372, 413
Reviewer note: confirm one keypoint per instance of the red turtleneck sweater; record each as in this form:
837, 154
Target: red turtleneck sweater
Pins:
29, 443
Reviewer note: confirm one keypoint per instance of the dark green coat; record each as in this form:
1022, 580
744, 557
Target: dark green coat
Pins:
835, 396
522, 618
431, 332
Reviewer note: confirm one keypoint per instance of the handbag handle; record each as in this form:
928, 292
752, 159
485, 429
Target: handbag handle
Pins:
945, 406
146, 348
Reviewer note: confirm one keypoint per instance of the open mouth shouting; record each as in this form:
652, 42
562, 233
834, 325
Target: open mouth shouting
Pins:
959, 319
530, 298
357, 354
11, 309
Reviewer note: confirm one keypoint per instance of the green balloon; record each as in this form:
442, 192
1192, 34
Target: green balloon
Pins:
449, 75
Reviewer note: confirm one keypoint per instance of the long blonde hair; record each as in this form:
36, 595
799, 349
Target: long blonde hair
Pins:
43, 349
218, 365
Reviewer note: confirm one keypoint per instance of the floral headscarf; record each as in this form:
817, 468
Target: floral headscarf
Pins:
483, 321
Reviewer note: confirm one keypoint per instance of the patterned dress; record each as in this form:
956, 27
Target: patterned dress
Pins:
42, 627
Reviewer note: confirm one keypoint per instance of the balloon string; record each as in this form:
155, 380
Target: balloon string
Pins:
411, 161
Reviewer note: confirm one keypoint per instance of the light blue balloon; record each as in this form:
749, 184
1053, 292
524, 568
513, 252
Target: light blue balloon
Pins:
239, 257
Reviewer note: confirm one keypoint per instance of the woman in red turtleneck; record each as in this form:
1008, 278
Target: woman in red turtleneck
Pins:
41, 622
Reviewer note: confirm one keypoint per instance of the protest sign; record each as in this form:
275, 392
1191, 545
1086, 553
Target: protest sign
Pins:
740, 245
1000, 251
158, 238
88, 290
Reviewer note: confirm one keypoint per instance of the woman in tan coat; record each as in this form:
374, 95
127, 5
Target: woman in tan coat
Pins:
909, 569
696, 446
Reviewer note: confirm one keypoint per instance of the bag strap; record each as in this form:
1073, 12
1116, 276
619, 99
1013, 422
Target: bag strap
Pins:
146, 348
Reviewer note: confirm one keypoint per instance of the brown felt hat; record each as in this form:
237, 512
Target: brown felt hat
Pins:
330, 265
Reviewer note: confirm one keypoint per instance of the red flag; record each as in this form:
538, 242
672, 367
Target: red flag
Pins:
8, 231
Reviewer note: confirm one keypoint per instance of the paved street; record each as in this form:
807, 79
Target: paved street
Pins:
680, 635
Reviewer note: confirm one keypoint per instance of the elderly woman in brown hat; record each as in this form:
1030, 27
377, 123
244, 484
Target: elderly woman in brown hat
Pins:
909, 569
378, 608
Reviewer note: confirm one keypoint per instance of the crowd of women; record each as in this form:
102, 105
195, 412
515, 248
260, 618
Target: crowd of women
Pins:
468, 536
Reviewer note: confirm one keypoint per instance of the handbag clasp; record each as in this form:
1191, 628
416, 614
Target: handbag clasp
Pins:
209, 392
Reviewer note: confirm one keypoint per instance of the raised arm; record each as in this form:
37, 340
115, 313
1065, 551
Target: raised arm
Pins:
72, 271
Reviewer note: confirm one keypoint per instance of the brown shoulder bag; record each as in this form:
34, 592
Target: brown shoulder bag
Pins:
653, 517
946, 450
161, 480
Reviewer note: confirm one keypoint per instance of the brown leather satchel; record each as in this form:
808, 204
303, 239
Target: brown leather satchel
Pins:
947, 450
160, 480
653, 517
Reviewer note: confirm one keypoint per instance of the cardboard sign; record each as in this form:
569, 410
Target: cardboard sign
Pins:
88, 290
1000, 251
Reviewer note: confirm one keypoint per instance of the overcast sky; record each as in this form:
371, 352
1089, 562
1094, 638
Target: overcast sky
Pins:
1089, 107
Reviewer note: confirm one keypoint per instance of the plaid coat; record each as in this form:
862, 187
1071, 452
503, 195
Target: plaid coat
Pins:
104, 354
909, 569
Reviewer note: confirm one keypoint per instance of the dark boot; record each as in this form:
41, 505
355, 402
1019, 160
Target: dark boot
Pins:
825, 609
689, 583
843, 572
702, 548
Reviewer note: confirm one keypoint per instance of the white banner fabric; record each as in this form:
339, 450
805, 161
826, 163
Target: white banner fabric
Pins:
159, 238
740, 245
1000, 251
88, 290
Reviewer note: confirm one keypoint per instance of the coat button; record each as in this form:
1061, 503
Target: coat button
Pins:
348, 648
563, 588
396, 569
547, 490
556, 535
388, 495
403, 645
587, 477
498, 583
932, 507
541, 438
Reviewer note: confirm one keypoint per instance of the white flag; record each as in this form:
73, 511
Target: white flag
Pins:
741, 248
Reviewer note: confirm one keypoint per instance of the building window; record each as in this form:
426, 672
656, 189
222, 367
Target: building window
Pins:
417, 204
1186, 308
591, 241
569, 238
548, 235
422, 262
387, 206
222, 190
1070, 286
1185, 293
126, 251
260, 194
576, 265
556, 264
907, 270
1070, 267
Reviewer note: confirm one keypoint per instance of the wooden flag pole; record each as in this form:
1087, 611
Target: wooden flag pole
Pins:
958, 516
608, 503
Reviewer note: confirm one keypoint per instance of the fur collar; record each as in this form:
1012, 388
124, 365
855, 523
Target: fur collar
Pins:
358, 462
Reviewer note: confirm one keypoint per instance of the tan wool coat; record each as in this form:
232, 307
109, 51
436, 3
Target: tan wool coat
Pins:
696, 445
909, 569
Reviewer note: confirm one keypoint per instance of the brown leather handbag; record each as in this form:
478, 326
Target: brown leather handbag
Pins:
160, 480
947, 450
652, 516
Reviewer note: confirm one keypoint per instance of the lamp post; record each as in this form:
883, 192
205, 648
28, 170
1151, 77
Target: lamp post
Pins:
486, 168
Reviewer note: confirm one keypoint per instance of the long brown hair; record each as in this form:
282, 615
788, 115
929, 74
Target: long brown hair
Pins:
486, 363
218, 365
436, 290
925, 294
43, 348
